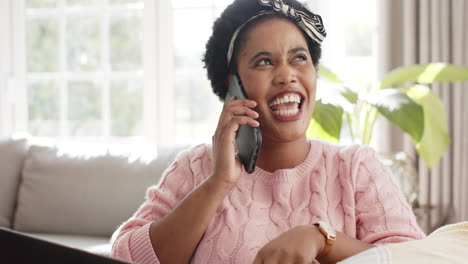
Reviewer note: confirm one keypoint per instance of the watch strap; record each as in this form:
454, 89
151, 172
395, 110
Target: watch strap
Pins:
330, 237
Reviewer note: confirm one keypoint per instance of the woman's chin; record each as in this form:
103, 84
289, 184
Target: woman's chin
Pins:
284, 135
285, 128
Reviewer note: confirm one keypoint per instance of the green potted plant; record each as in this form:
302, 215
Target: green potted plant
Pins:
403, 97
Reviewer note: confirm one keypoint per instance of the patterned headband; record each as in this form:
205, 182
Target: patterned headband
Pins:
311, 24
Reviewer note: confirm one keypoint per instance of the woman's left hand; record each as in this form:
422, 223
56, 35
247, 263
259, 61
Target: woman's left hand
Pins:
301, 244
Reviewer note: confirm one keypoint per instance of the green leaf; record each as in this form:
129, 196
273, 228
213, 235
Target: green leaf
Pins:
426, 73
368, 116
324, 72
349, 94
346, 92
435, 140
400, 109
326, 122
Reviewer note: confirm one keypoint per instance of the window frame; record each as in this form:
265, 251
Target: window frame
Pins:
12, 88
158, 112
5, 61
156, 48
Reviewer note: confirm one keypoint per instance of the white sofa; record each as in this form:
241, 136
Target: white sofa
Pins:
74, 196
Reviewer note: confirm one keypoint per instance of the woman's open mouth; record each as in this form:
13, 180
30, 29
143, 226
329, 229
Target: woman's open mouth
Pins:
286, 106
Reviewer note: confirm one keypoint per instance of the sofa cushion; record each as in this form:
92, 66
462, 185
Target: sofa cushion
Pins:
12, 153
73, 192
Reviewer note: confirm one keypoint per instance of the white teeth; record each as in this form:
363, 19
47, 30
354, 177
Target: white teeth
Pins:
288, 98
283, 112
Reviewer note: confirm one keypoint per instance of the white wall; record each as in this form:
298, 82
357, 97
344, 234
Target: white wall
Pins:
12, 67
5, 64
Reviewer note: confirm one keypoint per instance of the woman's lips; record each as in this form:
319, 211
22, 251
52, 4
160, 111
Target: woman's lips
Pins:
286, 106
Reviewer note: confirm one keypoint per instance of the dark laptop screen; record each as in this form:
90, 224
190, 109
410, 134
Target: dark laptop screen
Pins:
16, 247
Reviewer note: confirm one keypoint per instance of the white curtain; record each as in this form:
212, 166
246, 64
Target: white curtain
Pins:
422, 31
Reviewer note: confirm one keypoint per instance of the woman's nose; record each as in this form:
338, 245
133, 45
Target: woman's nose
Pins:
284, 75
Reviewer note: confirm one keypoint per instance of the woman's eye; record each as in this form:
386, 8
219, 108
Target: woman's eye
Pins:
264, 62
300, 58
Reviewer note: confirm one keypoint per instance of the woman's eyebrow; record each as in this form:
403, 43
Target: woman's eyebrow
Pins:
261, 53
269, 54
295, 50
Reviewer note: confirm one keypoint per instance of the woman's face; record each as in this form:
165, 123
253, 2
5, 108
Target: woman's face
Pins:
277, 71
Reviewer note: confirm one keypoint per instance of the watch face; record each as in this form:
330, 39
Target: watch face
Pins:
329, 230
330, 234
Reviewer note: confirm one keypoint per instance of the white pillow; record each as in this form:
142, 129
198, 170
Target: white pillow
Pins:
12, 153
448, 244
375, 255
75, 193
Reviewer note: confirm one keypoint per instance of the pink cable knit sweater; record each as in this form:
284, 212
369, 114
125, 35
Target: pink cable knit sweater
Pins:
345, 186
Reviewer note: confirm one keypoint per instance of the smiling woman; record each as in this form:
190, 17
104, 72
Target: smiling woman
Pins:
273, 66
306, 200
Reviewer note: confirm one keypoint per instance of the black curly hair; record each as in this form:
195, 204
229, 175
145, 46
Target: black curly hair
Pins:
215, 57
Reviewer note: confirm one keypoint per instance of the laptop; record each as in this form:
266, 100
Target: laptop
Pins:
17, 247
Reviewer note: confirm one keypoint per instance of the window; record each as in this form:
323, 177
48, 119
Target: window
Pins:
84, 69
350, 49
197, 108
131, 70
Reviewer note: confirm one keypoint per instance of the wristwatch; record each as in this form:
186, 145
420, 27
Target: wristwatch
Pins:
330, 236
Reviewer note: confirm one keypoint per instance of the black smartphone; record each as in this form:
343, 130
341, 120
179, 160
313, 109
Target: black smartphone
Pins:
248, 139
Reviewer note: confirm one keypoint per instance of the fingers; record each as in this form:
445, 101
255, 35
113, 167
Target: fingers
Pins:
244, 120
241, 102
234, 114
232, 125
257, 260
237, 109
227, 132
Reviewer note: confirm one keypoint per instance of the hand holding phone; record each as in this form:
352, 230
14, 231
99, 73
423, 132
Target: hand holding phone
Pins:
248, 139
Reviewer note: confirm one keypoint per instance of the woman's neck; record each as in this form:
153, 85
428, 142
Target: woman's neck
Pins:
282, 155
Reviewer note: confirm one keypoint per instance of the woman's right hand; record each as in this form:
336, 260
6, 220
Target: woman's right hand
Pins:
227, 167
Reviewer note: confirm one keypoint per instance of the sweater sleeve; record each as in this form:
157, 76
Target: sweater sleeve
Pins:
131, 242
382, 213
